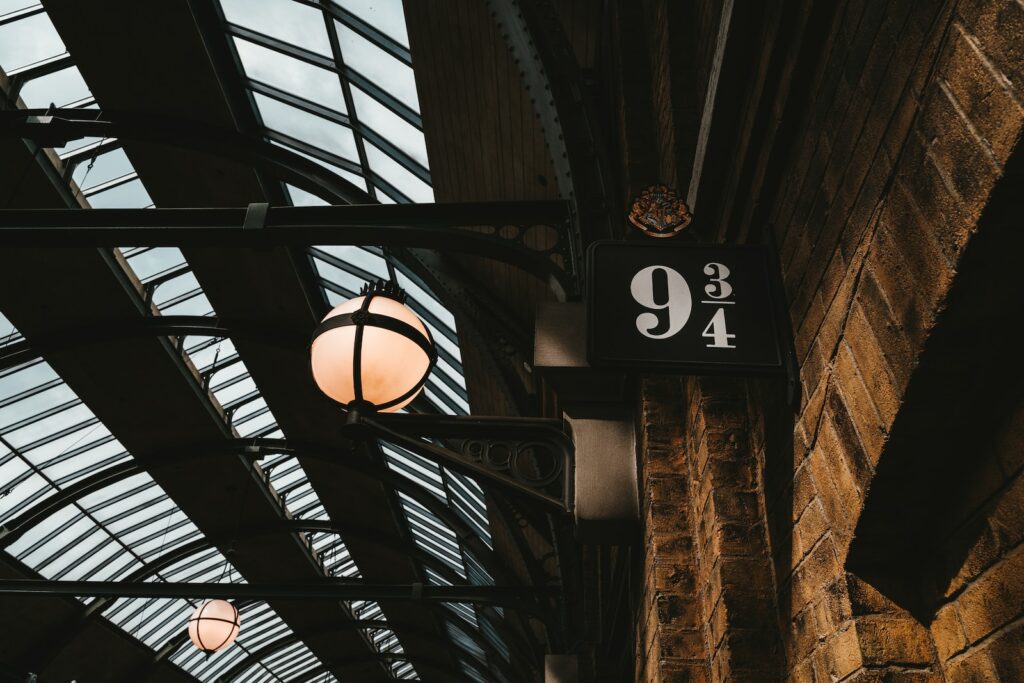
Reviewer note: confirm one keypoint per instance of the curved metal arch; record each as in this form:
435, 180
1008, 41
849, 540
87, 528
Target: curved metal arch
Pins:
27, 520
11, 531
278, 645
534, 34
107, 477
172, 645
256, 449
55, 127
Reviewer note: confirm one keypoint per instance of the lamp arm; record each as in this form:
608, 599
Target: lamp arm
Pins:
461, 462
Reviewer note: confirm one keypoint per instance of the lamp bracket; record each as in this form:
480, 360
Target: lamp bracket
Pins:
532, 458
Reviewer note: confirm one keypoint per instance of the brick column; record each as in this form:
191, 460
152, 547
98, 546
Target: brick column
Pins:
671, 645
735, 585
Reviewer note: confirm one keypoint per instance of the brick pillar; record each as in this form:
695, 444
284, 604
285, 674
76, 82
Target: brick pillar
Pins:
670, 634
735, 584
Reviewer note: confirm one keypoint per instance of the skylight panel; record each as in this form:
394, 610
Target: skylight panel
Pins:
381, 68
28, 40
102, 169
285, 20
291, 75
354, 178
315, 130
397, 178
391, 127
387, 16
131, 194
12, 6
64, 88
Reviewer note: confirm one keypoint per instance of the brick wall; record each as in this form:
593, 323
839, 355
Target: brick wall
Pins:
912, 113
901, 152
979, 629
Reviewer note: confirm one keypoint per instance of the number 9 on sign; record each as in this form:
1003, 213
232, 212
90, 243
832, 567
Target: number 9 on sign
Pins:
660, 288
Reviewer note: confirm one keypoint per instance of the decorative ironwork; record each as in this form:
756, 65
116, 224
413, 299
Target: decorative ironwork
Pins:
659, 212
527, 457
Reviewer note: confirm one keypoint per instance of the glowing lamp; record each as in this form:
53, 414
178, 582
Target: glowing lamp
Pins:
214, 625
372, 352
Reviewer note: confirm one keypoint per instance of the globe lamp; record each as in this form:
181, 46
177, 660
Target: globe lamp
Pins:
214, 625
372, 353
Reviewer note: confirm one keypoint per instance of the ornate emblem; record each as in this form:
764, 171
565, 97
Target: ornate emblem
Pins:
659, 212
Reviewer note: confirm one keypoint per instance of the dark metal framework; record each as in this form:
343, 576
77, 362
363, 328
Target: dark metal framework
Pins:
506, 596
454, 225
497, 229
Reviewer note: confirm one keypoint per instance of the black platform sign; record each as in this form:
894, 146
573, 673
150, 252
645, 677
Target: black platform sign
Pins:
700, 309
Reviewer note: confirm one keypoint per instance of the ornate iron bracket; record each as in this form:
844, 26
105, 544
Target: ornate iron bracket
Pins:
528, 457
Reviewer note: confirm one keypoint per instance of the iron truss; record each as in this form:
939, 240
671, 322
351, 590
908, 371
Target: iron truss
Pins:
501, 230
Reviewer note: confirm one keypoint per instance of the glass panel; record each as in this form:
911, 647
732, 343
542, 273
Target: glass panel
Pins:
309, 128
8, 6
291, 75
74, 145
28, 41
353, 178
396, 174
102, 169
303, 198
390, 126
282, 19
379, 66
387, 16
131, 195
60, 88
151, 262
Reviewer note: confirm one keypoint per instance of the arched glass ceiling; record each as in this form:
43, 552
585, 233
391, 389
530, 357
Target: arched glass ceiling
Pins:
92, 539
342, 93
128, 529
333, 81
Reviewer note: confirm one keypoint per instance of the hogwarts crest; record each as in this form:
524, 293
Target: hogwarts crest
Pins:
659, 212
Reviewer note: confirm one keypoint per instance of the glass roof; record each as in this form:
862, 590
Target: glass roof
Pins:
129, 529
333, 82
34, 57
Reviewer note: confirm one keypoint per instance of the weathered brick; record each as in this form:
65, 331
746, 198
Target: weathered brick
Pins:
947, 632
995, 598
979, 90
810, 528
971, 667
1007, 653
891, 639
875, 366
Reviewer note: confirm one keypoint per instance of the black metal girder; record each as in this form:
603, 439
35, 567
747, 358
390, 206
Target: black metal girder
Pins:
474, 228
519, 597
100, 332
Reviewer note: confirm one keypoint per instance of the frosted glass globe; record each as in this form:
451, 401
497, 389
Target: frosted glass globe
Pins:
214, 625
391, 364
